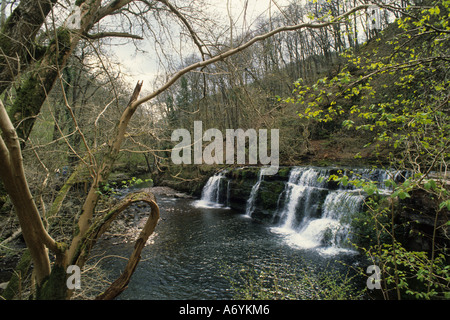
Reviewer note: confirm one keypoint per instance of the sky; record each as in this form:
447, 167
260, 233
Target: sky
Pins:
144, 66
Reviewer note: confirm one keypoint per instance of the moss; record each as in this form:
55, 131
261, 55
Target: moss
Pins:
246, 173
5, 43
63, 37
20, 273
284, 172
39, 51
54, 287
57, 203
269, 193
62, 246
24, 109
34, 88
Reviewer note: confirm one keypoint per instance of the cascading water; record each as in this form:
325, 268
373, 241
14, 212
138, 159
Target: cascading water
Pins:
302, 189
312, 214
378, 176
329, 232
228, 194
211, 193
251, 200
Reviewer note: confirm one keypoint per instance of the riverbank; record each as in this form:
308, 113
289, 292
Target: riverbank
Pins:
126, 227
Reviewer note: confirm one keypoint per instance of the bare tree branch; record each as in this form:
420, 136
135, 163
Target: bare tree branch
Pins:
194, 35
90, 203
121, 283
112, 6
244, 46
113, 34
13, 175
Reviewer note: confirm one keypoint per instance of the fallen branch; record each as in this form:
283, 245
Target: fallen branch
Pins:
101, 225
118, 286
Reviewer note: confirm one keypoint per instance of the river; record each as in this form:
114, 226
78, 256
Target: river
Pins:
206, 253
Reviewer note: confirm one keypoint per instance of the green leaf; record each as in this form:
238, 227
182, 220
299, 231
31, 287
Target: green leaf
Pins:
403, 195
445, 204
370, 188
432, 184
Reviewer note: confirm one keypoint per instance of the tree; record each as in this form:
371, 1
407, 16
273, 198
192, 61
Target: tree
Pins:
395, 92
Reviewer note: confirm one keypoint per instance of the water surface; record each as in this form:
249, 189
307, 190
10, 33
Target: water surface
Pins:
196, 251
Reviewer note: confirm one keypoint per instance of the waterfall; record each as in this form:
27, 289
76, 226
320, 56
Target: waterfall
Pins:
304, 185
313, 215
228, 194
211, 193
311, 212
251, 200
330, 231
378, 176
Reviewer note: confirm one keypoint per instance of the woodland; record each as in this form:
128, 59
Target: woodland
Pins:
355, 82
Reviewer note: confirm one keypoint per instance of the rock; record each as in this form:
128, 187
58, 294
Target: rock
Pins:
268, 196
418, 213
168, 192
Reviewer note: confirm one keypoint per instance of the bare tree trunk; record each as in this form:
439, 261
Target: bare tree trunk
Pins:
110, 157
35, 88
2, 13
13, 176
17, 38
17, 44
